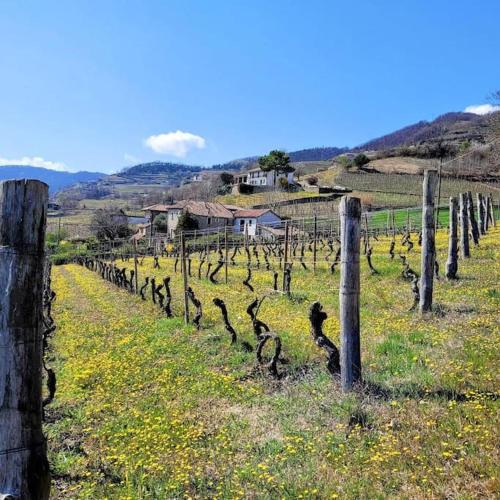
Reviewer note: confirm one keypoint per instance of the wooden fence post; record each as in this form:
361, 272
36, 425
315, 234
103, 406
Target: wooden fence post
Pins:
464, 227
492, 210
486, 204
136, 272
225, 254
452, 262
472, 218
480, 213
285, 257
350, 345
428, 257
315, 242
24, 470
184, 278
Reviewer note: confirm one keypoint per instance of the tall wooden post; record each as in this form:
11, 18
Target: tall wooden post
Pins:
225, 254
491, 205
315, 237
428, 258
464, 227
136, 271
480, 213
24, 470
472, 218
452, 262
486, 203
350, 345
184, 278
285, 257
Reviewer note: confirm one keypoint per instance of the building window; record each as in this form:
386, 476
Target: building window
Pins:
250, 222
209, 221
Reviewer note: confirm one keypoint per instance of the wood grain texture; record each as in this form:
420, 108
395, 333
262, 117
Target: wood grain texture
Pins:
24, 470
350, 344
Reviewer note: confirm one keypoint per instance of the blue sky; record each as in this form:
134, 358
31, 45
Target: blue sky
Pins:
98, 85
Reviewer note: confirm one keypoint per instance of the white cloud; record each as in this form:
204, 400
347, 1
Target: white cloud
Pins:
175, 143
482, 109
34, 161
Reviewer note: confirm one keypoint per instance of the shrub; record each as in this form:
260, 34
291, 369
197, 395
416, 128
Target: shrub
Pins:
312, 180
187, 222
160, 223
360, 160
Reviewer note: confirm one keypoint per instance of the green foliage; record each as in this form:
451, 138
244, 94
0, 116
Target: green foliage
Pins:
464, 146
160, 223
344, 162
226, 178
186, 222
276, 161
360, 160
284, 184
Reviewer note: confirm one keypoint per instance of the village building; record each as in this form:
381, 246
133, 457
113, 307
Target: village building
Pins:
248, 220
258, 177
208, 215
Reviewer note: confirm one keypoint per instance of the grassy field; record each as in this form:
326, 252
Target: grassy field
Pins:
149, 408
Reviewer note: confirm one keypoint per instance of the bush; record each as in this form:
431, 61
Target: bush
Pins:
160, 223
284, 184
186, 222
245, 189
312, 180
226, 178
360, 160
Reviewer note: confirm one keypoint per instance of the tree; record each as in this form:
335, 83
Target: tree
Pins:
226, 178
160, 223
109, 224
360, 160
344, 162
186, 222
276, 161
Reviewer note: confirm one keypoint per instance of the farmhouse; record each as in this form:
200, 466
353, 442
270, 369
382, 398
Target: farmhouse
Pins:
210, 215
248, 220
258, 177
207, 214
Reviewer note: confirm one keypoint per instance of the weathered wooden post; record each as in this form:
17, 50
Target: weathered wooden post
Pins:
464, 227
486, 204
285, 256
452, 262
472, 218
315, 237
24, 470
491, 205
350, 345
225, 254
184, 278
428, 257
136, 272
480, 213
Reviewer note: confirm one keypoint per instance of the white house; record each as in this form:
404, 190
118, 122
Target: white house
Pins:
251, 218
257, 177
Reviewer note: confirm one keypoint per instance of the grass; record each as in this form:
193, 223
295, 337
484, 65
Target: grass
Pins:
149, 408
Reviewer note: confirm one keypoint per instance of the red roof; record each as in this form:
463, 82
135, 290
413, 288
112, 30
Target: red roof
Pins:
252, 212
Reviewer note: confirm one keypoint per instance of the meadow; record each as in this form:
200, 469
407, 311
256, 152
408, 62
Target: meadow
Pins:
147, 407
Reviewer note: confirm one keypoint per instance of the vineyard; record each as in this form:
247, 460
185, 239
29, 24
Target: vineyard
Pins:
149, 407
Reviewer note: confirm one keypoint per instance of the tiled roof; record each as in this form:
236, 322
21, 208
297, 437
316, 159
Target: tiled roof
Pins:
208, 209
252, 212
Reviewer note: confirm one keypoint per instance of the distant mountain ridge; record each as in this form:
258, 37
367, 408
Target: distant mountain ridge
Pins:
454, 126
55, 179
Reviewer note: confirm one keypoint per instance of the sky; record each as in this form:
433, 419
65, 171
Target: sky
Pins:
99, 85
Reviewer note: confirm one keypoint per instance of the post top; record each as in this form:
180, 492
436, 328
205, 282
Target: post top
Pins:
350, 206
23, 211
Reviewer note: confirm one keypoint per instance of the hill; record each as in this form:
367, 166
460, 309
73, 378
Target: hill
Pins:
450, 127
56, 180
